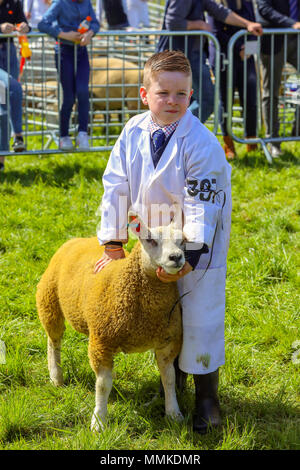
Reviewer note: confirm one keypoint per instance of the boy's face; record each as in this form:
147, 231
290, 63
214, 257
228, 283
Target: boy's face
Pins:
167, 97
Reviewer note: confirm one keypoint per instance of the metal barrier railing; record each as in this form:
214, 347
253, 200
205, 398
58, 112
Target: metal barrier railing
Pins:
117, 59
280, 102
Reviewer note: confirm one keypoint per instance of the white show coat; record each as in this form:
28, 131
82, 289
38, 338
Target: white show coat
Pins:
191, 171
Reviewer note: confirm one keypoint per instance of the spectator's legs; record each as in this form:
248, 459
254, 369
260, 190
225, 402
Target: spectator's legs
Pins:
66, 72
133, 13
251, 100
293, 57
9, 82
207, 88
228, 141
82, 88
271, 77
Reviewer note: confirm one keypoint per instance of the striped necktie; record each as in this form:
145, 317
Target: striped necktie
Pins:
294, 9
158, 138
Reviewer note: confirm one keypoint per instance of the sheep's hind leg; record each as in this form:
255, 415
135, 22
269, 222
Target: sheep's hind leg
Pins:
54, 362
167, 372
103, 389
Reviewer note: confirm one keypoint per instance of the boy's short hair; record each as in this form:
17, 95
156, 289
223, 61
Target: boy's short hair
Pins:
166, 61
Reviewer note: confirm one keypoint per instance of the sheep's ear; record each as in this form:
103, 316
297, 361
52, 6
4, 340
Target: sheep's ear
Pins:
137, 226
176, 216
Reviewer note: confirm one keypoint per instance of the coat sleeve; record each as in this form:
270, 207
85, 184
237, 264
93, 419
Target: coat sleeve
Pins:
206, 186
116, 198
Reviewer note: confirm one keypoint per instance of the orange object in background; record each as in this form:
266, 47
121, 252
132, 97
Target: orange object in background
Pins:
84, 25
25, 51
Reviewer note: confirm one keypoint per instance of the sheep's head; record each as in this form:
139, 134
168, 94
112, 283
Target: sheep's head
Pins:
161, 246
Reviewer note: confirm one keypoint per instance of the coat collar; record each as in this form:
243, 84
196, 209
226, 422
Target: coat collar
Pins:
184, 126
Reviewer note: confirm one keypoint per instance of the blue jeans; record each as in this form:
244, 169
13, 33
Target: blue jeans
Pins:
9, 82
207, 87
75, 83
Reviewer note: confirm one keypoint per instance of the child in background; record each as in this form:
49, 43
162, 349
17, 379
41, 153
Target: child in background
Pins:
35, 10
12, 19
167, 157
137, 13
61, 21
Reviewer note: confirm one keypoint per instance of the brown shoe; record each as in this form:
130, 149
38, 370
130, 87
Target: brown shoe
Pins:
251, 147
229, 147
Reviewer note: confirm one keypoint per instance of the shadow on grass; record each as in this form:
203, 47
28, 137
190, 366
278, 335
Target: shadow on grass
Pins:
59, 174
257, 421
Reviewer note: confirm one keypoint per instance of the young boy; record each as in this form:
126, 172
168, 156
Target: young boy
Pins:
187, 168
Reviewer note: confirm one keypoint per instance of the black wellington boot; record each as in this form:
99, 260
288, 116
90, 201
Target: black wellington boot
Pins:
207, 412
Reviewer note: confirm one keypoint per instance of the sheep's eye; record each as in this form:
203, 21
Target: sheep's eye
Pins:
153, 242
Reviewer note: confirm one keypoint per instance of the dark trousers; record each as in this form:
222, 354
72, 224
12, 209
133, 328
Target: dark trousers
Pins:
249, 102
271, 76
74, 71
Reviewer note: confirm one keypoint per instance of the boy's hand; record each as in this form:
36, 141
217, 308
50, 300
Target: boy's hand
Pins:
107, 257
165, 277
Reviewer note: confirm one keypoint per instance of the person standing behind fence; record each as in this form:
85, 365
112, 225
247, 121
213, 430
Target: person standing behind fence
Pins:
114, 13
35, 10
11, 15
277, 14
137, 13
61, 21
223, 32
189, 15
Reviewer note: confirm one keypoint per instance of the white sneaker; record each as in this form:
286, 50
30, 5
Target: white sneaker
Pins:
275, 151
65, 143
82, 141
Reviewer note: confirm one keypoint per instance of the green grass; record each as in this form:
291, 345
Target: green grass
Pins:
45, 201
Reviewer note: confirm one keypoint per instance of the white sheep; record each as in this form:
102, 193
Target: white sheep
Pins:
124, 307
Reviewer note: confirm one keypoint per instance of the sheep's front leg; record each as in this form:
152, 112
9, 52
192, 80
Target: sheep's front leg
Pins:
103, 389
167, 372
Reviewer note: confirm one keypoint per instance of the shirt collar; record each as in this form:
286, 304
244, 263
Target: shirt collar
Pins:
168, 130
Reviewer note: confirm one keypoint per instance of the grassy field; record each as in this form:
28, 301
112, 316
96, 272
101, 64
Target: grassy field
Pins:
45, 201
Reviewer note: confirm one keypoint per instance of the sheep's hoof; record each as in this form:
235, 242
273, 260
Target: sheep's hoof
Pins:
57, 380
97, 425
175, 416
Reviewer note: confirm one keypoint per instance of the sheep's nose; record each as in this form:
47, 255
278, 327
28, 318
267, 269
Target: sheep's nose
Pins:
175, 258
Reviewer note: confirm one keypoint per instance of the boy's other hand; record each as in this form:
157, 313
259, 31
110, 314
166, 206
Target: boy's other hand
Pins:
166, 277
107, 257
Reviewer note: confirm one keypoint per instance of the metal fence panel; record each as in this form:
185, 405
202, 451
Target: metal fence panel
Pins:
117, 60
277, 102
